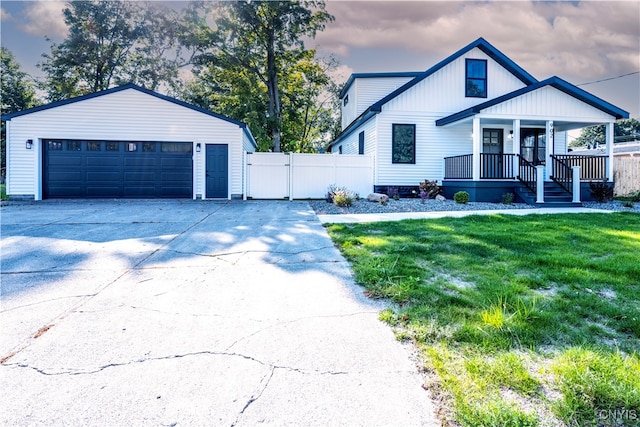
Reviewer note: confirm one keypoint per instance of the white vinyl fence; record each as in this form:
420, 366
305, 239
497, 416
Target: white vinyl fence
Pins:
306, 176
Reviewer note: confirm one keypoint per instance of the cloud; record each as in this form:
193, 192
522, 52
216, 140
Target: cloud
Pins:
578, 40
4, 15
45, 18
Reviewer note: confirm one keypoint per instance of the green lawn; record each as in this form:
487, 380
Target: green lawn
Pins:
3, 192
530, 320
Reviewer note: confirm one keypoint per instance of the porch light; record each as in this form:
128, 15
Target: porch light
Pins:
198, 147
29, 144
510, 134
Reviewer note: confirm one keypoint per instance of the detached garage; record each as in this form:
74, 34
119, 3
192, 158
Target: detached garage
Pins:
125, 142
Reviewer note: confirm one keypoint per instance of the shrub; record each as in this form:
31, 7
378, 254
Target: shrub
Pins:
430, 188
627, 204
635, 197
343, 198
601, 191
507, 198
461, 197
340, 196
393, 193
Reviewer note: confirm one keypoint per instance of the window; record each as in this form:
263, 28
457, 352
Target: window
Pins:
148, 147
476, 78
132, 146
93, 146
346, 100
55, 145
403, 144
74, 146
340, 149
175, 147
112, 146
361, 143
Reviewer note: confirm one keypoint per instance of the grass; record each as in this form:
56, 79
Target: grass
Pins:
3, 192
530, 320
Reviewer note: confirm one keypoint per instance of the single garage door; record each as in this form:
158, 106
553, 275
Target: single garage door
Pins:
129, 169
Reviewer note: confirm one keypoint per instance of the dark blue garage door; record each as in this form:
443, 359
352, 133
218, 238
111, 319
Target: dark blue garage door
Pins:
114, 169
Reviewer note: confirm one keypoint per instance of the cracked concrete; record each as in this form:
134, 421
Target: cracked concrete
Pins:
191, 313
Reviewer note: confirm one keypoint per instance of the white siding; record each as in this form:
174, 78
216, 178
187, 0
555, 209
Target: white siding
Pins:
443, 92
366, 91
349, 110
560, 143
548, 103
125, 115
433, 144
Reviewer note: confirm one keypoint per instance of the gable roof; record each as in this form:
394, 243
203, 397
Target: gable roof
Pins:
481, 44
555, 82
240, 124
355, 76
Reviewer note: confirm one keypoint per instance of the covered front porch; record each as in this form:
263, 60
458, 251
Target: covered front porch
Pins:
527, 157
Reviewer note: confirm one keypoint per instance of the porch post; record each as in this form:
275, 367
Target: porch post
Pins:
609, 137
576, 184
539, 184
516, 147
550, 149
476, 149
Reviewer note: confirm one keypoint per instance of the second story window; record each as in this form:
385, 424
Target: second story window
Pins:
476, 78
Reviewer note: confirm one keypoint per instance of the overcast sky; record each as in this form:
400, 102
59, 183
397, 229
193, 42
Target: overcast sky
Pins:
581, 42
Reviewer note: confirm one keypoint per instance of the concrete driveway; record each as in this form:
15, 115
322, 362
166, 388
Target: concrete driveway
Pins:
191, 313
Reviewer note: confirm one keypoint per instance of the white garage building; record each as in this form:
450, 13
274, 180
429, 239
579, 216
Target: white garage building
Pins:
125, 142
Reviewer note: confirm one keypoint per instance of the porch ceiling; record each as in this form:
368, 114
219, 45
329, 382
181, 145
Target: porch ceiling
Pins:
559, 125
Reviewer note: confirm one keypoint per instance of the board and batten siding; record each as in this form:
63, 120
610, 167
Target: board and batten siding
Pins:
365, 91
547, 103
119, 116
433, 144
443, 92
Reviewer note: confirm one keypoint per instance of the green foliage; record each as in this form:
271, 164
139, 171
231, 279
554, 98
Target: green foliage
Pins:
111, 43
461, 197
340, 196
502, 305
507, 198
284, 91
601, 191
596, 135
598, 387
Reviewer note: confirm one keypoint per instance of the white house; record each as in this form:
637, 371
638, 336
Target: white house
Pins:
478, 122
125, 142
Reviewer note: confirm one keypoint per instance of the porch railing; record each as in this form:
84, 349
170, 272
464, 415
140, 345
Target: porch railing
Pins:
527, 173
496, 166
458, 167
562, 173
592, 168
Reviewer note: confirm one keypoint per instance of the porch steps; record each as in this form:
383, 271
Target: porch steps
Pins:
554, 196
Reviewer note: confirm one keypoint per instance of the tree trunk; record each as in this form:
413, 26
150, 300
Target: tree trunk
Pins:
273, 92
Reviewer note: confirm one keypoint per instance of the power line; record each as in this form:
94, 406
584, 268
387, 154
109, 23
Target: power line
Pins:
610, 78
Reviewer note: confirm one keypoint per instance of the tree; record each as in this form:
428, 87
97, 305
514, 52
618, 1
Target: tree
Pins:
17, 92
596, 135
111, 43
262, 40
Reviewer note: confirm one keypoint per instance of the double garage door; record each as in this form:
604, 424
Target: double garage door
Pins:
115, 169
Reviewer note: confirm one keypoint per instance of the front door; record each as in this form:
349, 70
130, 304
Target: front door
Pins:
533, 144
217, 171
492, 149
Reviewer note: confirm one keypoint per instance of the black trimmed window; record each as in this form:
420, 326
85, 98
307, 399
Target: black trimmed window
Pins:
476, 78
361, 143
403, 144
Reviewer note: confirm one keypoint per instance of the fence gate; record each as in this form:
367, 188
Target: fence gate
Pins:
267, 175
306, 176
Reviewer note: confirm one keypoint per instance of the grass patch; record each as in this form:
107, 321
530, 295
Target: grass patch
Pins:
3, 192
517, 317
